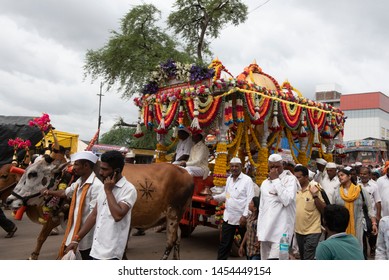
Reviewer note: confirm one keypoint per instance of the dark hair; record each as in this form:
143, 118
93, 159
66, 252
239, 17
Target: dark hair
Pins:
256, 201
336, 217
345, 171
302, 169
115, 159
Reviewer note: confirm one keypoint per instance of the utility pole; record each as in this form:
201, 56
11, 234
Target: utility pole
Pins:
99, 119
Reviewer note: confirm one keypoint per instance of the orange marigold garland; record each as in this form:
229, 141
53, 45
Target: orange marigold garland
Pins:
220, 169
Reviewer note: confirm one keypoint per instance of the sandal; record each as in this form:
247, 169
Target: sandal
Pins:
11, 233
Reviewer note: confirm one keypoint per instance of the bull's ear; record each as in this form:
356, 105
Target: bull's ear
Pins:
58, 166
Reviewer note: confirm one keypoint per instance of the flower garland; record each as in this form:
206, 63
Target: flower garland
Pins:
19, 143
291, 115
165, 116
262, 169
258, 107
239, 110
219, 211
220, 169
205, 119
43, 123
228, 118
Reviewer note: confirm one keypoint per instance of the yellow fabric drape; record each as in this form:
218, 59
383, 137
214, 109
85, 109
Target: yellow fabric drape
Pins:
352, 195
71, 214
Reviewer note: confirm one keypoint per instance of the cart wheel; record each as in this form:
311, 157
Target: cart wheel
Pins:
186, 230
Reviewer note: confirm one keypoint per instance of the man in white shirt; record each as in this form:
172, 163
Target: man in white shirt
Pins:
371, 187
277, 208
321, 171
197, 164
382, 251
383, 189
184, 146
330, 182
84, 194
112, 214
238, 193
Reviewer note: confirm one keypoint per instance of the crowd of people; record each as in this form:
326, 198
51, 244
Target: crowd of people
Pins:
324, 212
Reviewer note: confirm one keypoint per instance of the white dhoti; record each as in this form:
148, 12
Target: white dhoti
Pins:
195, 171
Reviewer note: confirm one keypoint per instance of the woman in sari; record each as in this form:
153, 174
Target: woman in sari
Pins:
349, 195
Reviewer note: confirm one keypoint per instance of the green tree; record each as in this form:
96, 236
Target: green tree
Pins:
131, 54
201, 20
124, 136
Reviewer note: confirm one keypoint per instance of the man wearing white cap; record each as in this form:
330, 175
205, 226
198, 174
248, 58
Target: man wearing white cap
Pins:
184, 145
83, 193
197, 164
277, 208
330, 183
112, 214
237, 194
321, 171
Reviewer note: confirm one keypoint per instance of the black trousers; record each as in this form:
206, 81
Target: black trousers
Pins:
368, 239
6, 223
227, 239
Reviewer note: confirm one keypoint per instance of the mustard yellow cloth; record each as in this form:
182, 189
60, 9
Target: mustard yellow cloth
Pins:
352, 195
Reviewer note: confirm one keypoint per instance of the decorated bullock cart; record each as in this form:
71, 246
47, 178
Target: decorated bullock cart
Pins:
245, 116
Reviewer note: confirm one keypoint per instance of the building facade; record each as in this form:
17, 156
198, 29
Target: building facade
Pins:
367, 115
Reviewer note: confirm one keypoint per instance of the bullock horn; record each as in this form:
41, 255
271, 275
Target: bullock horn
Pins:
16, 170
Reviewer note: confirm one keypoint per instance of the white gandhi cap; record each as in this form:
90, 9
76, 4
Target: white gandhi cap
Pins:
275, 158
88, 155
321, 161
235, 160
331, 165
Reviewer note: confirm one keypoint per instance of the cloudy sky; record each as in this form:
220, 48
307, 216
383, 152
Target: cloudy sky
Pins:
310, 43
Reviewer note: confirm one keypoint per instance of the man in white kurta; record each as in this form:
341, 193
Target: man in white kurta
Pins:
277, 208
184, 146
321, 170
330, 183
238, 193
197, 164
383, 189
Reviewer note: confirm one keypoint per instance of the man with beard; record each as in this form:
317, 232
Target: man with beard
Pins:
83, 193
237, 194
112, 214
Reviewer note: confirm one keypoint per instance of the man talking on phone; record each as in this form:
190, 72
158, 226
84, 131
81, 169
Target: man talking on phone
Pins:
112, 214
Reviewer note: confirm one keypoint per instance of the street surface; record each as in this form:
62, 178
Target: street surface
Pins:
201, 245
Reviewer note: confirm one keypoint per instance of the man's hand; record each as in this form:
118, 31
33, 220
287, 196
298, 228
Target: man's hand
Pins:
273, 174
72, 246
314, 189
208, 198
109, 183
45, 191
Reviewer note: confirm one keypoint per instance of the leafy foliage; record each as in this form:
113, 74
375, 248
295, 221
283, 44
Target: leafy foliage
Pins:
123, 136
131, 54
198, 21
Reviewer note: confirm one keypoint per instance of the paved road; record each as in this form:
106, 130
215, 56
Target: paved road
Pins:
201, 245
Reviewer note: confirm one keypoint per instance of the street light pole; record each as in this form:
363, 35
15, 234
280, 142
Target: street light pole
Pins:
99, 119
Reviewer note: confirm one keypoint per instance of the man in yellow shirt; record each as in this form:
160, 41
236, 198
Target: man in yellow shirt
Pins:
308, 217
